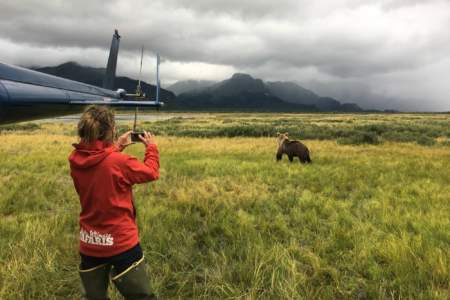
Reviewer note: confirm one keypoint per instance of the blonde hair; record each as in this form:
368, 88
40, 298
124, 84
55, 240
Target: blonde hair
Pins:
96, 123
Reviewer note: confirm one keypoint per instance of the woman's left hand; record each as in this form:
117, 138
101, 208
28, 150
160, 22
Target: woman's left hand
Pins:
124, 141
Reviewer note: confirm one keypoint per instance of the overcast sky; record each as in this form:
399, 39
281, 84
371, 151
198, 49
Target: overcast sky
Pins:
377, 53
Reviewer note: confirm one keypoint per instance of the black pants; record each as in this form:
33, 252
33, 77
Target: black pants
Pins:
120, 262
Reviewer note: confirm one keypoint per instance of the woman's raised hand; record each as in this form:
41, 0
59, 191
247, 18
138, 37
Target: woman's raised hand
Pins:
148, 138
124, 140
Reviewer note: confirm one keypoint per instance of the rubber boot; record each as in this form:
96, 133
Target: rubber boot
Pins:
95, 282
133, 283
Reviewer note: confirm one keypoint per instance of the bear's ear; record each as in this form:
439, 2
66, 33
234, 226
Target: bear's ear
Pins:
278, 133
286, 133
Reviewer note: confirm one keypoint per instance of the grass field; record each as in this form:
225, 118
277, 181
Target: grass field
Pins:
368, 219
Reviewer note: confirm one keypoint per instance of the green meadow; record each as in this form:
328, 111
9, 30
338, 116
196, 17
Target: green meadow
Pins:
368, 219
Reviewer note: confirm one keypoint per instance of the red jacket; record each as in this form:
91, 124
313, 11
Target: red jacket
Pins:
103, 178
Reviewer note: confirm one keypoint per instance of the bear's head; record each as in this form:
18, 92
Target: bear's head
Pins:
281, 137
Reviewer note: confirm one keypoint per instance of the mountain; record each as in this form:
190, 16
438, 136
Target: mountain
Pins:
239, 93
240, 83
242, 91
94, 76
184, 86
293, 93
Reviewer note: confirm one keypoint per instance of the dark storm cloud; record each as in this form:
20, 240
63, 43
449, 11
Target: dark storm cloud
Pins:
243, 9
348, 43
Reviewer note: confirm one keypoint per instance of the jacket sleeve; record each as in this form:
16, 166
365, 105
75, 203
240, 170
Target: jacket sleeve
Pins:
135, 171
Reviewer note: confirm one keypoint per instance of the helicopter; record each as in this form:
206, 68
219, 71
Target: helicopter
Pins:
29, 95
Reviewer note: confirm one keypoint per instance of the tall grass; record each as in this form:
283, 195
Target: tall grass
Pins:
346, 128
225, 221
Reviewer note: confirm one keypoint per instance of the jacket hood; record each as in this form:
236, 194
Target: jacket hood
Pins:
88, 155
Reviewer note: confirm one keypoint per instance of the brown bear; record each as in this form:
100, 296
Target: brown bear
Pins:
292, 148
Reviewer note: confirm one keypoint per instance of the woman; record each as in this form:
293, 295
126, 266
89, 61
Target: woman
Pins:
103, 178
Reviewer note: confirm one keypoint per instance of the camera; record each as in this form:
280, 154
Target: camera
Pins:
135, 136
